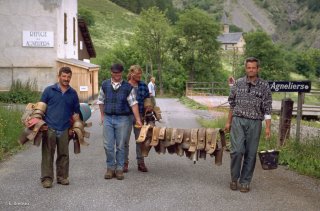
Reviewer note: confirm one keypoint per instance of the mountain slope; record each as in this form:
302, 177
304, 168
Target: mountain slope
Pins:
112, 23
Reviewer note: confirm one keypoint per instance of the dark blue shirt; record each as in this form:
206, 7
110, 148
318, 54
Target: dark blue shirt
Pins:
60, 106
142, 94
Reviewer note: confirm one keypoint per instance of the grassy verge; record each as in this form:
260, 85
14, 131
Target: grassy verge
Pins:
10, 129
303, 158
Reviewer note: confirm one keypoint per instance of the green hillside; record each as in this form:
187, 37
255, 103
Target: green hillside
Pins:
112, 23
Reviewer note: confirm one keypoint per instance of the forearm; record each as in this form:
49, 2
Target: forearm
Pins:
229, 120
135, 110
101, 107
268, 124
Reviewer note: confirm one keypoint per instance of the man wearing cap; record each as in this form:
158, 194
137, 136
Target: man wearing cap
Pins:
116, 99
250, 102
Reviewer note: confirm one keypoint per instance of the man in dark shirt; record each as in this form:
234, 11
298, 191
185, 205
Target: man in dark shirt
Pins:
250, 102
62, 102
134, 78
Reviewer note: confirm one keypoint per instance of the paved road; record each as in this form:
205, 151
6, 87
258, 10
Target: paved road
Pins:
173, 183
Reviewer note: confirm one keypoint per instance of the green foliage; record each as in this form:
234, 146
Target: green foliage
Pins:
174, 78
150, 39
234, 28
9, 131
302, 157
136, 6
127, 55
192, 104
21, 93
272, 58
307, 62
87, 15
195, 46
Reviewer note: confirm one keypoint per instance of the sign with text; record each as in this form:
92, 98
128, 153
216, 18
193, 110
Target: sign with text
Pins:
37, 39
290, 86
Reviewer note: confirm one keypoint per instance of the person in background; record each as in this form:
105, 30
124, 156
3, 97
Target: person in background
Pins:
117, 101
250, 102
62, 103
152, 89
134, 78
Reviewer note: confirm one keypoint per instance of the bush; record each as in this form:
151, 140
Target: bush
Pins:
9, 131
22, 93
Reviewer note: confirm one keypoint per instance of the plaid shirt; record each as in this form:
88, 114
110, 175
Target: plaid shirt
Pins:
250, 100
142, 93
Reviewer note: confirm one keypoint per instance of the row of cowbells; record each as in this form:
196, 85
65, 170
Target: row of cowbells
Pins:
194, 143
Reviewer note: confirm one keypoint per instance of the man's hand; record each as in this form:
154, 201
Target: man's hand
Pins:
227, 127
268, 133
138, 124
102, 119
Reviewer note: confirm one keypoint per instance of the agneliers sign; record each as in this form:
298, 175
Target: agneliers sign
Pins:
290, 86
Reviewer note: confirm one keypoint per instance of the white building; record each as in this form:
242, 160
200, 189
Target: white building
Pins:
34, 35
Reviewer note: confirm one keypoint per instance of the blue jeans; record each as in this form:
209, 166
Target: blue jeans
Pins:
115, 133
136, 131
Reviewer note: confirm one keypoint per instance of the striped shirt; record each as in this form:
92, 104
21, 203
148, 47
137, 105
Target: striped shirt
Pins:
251, 100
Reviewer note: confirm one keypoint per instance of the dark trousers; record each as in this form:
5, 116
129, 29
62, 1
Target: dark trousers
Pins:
244, 137
49, 142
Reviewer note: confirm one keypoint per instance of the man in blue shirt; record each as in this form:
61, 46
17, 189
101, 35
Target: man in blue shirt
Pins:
62, 102
134, 78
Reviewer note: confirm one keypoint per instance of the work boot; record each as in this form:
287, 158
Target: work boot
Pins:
126, 167
119, 174
244, 188
47, 183
63, 181
109, 174
233, 185
142, 167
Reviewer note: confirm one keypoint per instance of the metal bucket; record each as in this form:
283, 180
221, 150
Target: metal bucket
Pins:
85, 111
269, 159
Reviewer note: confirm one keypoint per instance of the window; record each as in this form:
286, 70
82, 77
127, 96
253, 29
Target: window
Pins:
65, 28
74, 31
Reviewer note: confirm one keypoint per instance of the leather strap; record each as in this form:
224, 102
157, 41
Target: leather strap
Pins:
194, 140
211, 140
201, 139
155, 136
143, 133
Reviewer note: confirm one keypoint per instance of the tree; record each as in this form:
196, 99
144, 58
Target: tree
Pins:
273, 64
195, 44
150, 38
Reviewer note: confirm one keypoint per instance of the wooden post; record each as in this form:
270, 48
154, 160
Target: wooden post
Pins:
285, 120
299, 114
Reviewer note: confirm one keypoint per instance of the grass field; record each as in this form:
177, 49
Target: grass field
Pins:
112, 24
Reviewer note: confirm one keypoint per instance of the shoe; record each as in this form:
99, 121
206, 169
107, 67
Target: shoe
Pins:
47, 183
142, 167
109, 174
119, 174
244, 188
63, 181
126, 167
234, 185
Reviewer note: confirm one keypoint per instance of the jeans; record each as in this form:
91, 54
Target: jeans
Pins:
136, 131
115, 133
51, 139
244, 138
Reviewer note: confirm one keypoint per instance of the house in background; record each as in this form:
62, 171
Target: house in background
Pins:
40, 36
231, 41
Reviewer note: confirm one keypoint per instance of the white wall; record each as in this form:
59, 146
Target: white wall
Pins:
18, 62
67, 50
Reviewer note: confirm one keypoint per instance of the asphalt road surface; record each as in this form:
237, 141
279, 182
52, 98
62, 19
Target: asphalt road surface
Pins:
172, 183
